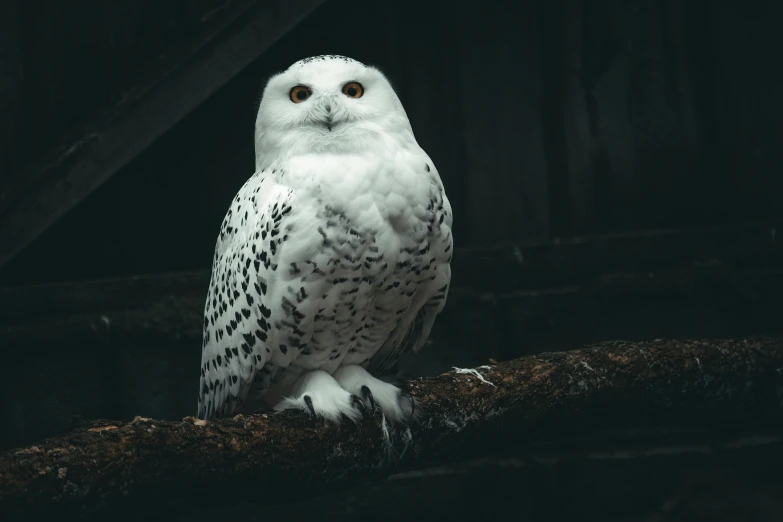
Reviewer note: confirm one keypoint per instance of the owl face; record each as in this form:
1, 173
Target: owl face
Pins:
327, 104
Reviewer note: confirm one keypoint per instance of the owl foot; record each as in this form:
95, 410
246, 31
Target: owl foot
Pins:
318, 394
396, 405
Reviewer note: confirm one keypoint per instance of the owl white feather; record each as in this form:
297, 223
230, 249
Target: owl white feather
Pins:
334, 257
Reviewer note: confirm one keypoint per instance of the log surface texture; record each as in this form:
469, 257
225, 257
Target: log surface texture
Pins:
275, 456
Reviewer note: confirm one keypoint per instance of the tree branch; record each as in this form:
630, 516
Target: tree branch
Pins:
270, 457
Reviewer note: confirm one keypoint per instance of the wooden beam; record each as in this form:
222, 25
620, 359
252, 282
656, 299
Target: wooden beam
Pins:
500, 268
507, 267
731, 260
183, 78
176, 317
115, 466
504, 268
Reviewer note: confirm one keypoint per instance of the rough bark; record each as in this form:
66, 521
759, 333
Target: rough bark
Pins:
275, 456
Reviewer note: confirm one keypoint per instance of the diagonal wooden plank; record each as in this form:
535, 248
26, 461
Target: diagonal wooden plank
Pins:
182, 79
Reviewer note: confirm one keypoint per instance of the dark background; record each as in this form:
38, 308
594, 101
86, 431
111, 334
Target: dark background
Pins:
615, 170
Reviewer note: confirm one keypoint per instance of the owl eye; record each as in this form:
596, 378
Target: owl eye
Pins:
353, 90
300, 93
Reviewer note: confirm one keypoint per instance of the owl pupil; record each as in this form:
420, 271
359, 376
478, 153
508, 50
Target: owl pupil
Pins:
301, 95
351, 91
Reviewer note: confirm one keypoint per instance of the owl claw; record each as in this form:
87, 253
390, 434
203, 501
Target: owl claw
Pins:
407, 396
392, 401
358, 404
309, 403
367, 394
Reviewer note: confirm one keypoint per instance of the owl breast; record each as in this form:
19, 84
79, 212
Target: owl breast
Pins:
365, 259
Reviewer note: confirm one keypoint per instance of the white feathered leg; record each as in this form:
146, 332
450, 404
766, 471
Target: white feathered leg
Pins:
320, 395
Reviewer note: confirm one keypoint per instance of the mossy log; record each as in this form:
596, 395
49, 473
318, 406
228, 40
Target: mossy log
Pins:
276, 456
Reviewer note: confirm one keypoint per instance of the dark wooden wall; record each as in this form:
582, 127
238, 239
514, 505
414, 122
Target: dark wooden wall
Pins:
78, 55
546, 119
614, 168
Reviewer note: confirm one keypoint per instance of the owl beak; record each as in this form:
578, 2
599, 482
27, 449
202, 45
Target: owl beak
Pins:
328, 121
327, 108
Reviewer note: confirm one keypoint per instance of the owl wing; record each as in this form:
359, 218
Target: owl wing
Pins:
411, 335
415, 327
235, 353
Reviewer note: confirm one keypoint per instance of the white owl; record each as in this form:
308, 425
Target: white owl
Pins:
333, 258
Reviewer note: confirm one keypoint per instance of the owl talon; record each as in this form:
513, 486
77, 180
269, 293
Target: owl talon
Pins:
357, 403
392, 401
406, 395
309, 403
367, 394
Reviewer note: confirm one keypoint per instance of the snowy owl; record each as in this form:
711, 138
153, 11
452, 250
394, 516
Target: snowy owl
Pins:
333, 258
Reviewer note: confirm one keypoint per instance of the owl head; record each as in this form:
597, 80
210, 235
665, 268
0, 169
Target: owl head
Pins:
327, 104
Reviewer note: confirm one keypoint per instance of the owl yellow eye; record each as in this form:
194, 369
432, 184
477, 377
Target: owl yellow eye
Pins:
300, 93
353, 90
